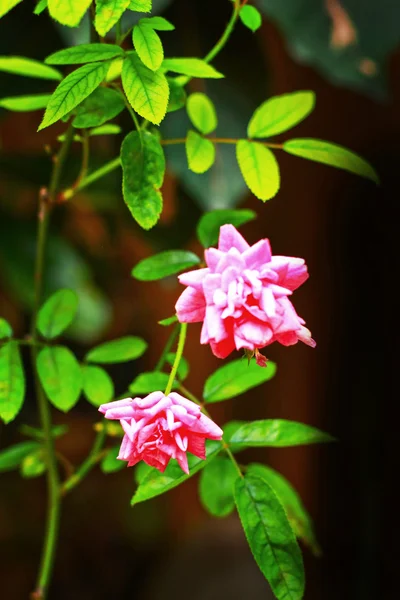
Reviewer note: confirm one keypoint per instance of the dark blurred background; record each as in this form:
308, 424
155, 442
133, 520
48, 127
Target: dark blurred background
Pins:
345, 227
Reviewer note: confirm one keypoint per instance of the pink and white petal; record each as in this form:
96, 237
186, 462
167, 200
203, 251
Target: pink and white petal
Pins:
258, 255
304, 335
126, 448
229, 237
149, 400
252, 334
190, 306
212, 257
182, 461
197, 445
194, 278
190, 407
223, 348
208, 428
152, 411
232, 258
215, 324
267, 302
230, 274
156, 459
211, 284
146, 432
115, 404
124, 412
292, 271
287, 339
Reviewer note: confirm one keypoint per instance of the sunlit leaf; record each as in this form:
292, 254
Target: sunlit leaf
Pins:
11, 458
145, 383
102, 105
12, 381
210, 223
25, 103
98, 386
192, 67
280, 113
7, 5
40, 7
60, 375
216, 486
27, 67
177, 95
121, 350
200, 152
108, 129
278, 433
250, 17
140, 5
259, 168
148, 46
202, 112
57, 313
84, 53
68, 12
108, 13
158, 23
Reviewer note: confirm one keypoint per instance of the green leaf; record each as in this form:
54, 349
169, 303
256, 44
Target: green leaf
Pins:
259, 168
164, 264
40, 7
57, 313
278, 433
11, 457
200, 152
140, 5
250, 17
77, 86
108, 129
116, 351
280, 113
158, 23
148, 46
97, 385
192, 67
84, 53
143, 167
168, 321
38, 434
33, 465
202, 112
331, 154
147, 91
183, 369
270, 537
177, 95
25, 103
210, 223
298, 516
235, 378
216, 486
155, 483
5, 329
12, 381
60, 375
229, 430
142, 469
102, 105
68, 12
145, 383
27, 67
7, 5
108, 13
110, 463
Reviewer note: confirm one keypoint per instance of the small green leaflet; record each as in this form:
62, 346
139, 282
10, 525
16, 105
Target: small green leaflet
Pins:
331, 154
229, 430
298, 516
11, 457
192, 67
40, 7
57, 313
109, 129
158, 23
25, 103
102, 105
27, 67
143, 168
250, 17
108, 12
147, 91
280, 113
140, 5
5, 329
148, 46
7, 5
155, 483
110, 463
202, 113
145, 383
116, 351
235, 378
68, 12
77, 86
163, 264
60, 375
84, 53
33, 465
12, 381
200, 152
210, 223
259, 168
216, 486
97, 385
278, 433
270, 537
177, 95
168, 321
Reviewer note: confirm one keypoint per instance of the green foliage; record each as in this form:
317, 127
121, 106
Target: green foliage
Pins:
5, 329
110, 463
60, 375
7, 5
164, 264
108, 13
143, 167
126, 348
145, 383
210, 223
331, 154
200, 152
38, 434
298, 516
77, 86
216, 486
84, 53
183, 368
102, 105
33, 465
147, 91
12, 381
235, 378
259, 168
109, 129
270, 537
177, 95
57, 313
250, 17
278, 433
40, 7
280, 113
98, 386
202, 113
11, 457
27, 67
25, 103
168, 321
192, 67
158, 23
68, 12
155, 483
148, 45
140, 5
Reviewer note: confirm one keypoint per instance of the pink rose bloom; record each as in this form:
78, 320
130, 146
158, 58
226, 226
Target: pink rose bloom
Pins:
242, 296
158, 428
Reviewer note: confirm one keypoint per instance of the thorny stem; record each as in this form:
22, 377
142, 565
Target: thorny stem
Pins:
178, 356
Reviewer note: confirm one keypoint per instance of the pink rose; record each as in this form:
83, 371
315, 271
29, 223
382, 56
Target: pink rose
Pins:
158, 428
242, 296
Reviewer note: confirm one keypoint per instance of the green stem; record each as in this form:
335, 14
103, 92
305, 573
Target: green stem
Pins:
178, 356
167, 348
90, 461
